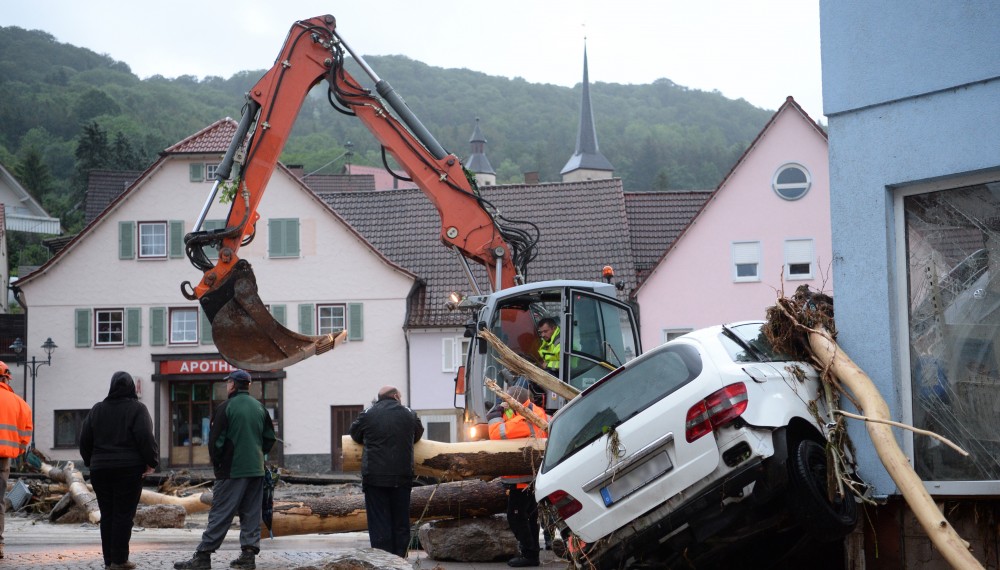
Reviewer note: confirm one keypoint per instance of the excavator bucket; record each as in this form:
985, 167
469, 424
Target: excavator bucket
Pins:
246, 333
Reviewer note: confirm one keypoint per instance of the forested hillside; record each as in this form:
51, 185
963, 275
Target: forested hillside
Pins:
66, 110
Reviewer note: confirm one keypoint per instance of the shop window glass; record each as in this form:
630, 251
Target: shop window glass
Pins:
952, 240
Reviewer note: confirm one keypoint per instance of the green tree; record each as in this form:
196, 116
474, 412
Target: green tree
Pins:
33, 174
92, 153
124, 155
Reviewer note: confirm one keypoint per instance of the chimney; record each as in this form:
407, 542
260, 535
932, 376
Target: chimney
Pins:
297, 169
531, 178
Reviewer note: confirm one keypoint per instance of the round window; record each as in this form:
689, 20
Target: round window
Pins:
791, 181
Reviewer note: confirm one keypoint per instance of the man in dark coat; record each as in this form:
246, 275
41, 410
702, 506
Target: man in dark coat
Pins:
117, 443
388, 431
241, 434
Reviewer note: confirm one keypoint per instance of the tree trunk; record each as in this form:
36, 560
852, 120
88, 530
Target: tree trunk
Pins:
465, 460
803, 326
346, 513
82, 496
954, 549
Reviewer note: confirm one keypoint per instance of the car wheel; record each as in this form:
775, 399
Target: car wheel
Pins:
808, 501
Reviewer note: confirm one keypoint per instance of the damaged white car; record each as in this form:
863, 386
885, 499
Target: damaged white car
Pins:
681, 452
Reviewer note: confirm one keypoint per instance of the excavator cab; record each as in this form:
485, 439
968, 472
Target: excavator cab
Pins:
598, 333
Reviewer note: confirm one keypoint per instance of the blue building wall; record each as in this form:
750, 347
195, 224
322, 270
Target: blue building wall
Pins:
911, 92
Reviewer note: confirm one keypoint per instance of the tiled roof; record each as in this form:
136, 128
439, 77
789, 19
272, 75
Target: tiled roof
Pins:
214, 138
655, 219
582, 224
383, 180
103, 186
320, 183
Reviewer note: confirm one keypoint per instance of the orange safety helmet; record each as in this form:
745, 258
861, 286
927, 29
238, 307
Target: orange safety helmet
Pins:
4, 371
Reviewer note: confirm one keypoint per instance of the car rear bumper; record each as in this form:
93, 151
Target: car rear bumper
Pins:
671, 526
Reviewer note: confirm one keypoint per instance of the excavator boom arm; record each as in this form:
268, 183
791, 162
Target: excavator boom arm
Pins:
313, 51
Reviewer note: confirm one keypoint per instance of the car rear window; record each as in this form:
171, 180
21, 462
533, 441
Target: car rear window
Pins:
619, 397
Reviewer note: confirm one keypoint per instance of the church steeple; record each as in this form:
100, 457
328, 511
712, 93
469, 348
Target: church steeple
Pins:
477, 161
587, 162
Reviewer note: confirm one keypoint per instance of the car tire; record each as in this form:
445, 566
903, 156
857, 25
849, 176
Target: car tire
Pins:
808, 500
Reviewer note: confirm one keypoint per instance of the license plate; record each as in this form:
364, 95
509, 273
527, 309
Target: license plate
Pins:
637, 478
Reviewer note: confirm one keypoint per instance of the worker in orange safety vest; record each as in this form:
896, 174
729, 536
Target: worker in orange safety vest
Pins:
15, 435
522, 511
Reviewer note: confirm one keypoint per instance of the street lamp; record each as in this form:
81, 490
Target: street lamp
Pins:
48, 346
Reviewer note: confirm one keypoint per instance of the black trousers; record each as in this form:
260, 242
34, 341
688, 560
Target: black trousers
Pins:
388, 511
118, 493
522, 517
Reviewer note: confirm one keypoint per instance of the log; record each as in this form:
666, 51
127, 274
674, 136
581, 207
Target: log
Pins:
196, 503
521, 367
464, 460
346, 513
78, 489
813, 315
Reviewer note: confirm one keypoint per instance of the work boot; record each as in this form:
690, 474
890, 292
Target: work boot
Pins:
245, 561
127, 565
522, 562
200, 561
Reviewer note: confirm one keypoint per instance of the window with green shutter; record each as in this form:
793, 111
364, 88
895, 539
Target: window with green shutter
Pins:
278, 312
283, 237
176, 238
133, 326
306, 319
197, 171
126, 240
206, 328
157, 326
82, 327
355, 321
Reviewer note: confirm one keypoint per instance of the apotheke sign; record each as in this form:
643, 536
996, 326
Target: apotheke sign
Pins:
216, 366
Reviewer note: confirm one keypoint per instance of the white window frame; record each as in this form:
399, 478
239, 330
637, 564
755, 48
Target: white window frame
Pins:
746, 253
153, 240
184, 325
793, 191
667, 335
453, 351
449, 419
327, 319
799, 252
113, 321
210, 169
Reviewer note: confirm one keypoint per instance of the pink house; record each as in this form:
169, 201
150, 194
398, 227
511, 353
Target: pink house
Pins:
765, 229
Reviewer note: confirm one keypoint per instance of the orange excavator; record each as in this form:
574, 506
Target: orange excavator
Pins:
248, 336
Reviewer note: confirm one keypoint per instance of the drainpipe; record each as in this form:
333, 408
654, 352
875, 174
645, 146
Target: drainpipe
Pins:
19, 297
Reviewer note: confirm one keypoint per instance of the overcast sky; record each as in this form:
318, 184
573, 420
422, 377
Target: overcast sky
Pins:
761, 51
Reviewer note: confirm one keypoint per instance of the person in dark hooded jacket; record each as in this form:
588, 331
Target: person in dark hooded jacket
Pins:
118, 445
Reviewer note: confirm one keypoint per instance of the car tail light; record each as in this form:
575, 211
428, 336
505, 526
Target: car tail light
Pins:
715, 411
564, 503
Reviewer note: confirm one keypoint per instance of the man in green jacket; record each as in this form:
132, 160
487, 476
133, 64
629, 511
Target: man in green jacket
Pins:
551, 345
241, 433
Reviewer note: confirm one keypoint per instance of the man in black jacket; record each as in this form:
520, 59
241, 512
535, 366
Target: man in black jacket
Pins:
240, 435
388, 431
